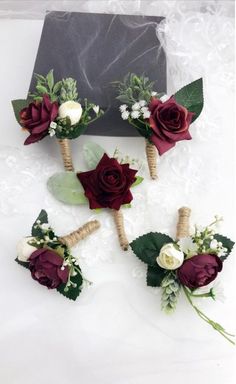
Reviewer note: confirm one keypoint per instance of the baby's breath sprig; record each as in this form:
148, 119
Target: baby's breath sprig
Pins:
205, 241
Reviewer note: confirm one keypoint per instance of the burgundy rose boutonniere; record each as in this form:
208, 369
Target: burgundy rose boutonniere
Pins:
169, 122
37, 117
191, 264
107, 184
162, 120
49, 258
55, 109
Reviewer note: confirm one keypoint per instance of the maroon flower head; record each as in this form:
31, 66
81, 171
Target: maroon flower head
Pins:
169, 122
45, 266
37, 117
199, 270
108, 185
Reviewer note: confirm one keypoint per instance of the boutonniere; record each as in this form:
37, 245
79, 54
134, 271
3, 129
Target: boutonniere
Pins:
189, 264
49, 257
161, 120
107, 184
55, 109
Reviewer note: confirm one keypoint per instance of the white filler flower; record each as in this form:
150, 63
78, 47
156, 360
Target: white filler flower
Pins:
72, 109
123, 107
169, 257
125, 115
24, 250
142, 103
135, 107
135, 114
187, 246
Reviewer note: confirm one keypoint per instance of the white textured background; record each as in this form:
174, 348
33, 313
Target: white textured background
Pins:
115, 333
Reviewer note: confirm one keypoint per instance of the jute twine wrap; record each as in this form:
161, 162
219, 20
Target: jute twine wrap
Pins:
80, 234
182, 229
119, 222
66, 154
151, 153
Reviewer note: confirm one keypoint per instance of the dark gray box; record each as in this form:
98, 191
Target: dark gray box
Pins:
97, 49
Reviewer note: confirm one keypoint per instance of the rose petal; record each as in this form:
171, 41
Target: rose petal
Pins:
63, 274
42, 127
161, 145
34, 138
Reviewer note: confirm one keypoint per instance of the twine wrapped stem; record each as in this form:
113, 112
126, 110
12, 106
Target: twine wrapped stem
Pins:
74, 237
119, 222
66, 154
151, 153
182, 229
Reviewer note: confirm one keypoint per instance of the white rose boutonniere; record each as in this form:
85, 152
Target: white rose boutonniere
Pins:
71, 109
170, 257
24, 249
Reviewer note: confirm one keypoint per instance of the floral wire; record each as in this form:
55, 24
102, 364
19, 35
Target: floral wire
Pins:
216, 326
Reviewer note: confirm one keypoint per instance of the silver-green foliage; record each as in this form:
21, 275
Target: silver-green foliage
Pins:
170, 292
68, 90
134, 88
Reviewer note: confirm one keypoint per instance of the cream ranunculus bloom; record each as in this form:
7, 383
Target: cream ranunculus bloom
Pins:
169, 257
72, 109
24, 250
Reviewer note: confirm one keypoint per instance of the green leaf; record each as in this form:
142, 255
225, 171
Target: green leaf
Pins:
92, 154
138, 181
126, 205
227, 243
22, 263
142, 128
147, 247
50, 79
18, 105
155, 275
71, 132
36, 231
41, 89
40, 78
72, 293
66, 187
191, 97
57, 87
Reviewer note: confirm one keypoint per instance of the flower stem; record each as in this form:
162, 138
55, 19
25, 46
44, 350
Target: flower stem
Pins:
214, 325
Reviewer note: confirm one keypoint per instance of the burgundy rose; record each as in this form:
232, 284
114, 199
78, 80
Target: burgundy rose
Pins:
169, 122
37, 117
45, 266
199, 270
108, 185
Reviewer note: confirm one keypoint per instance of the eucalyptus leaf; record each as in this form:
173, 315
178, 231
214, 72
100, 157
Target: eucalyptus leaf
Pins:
66, 187
138, 181
92, 154
126, 205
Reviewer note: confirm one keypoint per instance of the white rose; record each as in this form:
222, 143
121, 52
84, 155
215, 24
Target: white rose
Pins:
169, 257
72, 109
24, 250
